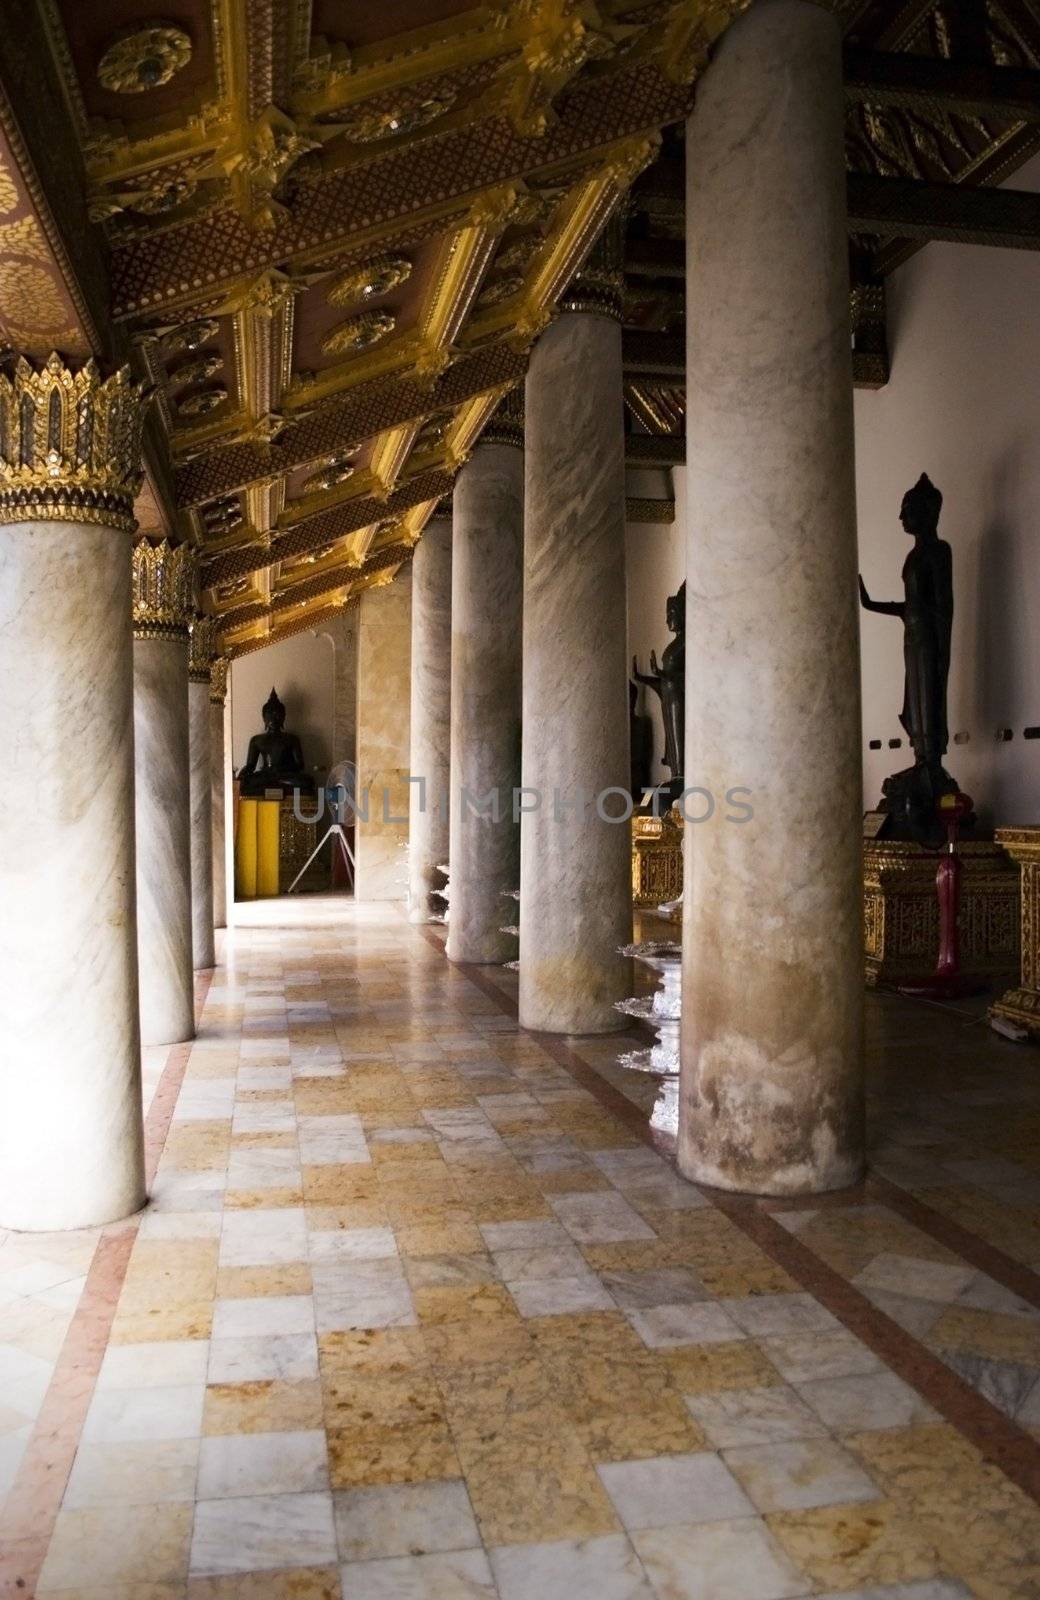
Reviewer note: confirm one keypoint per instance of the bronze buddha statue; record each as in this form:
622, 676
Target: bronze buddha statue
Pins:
274, 759
668, 682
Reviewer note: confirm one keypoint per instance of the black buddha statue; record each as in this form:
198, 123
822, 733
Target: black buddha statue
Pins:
274, 759
668, 681
926, 611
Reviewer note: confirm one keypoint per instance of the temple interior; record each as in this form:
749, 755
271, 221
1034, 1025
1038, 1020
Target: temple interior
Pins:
520, 856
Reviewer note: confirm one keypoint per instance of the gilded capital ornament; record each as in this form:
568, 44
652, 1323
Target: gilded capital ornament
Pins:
70, 444
202, 636
218, 672
599, 286
506, 424
164, 585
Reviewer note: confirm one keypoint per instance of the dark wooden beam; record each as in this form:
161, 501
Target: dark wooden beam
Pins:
976, 88
653, 355
655, 258
904, 208
655, 449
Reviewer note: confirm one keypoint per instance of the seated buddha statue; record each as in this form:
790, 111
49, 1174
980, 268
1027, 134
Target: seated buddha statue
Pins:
274, 759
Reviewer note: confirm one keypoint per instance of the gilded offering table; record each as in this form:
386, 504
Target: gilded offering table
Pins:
901, 910
657, 859
1022, 1004
272, 845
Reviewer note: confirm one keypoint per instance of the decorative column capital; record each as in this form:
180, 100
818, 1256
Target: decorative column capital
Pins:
506, 424
202, 637
599, 286
70, 444
218, 671
164, 583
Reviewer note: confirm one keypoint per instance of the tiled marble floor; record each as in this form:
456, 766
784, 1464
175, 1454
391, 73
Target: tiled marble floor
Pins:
418, 1313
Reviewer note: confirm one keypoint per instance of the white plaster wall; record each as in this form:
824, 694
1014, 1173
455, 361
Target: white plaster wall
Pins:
302, 670
963, 405
655, 556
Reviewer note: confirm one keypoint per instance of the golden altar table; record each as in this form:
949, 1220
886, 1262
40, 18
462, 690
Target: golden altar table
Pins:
901, 910
1021, 1004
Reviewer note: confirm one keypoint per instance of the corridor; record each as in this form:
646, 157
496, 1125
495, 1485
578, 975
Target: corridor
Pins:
419, 1311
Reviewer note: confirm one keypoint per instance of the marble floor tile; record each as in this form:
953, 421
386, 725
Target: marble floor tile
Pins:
642, 1291
872, 1400
773, 1315
599, 1218
722, 1560
573, 1569
262, 1532
232, 1466
665, 1327
146, 1472
671, 1489
122, 1416
99, 1546
556, 1296
256, 1316
386, 1304
800, 1358
165, 1363
524, 1235
764, 1415
519, 1264
909, 1275
404, 1519
798, 1474
460, 1575
263, 1238
242, 1360
352, 1244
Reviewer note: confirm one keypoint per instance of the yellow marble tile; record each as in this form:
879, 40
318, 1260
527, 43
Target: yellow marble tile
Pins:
357, 1399
988, 1333
655, 1428
408, 1452
339, 1186
172, 1319
512, 1208
241, 1283
856, 1546
575, 1180
462, 1303
356, 1214
423, 1239
535, 1488
261, 1199
262, 1407
478, 1340
712, 1368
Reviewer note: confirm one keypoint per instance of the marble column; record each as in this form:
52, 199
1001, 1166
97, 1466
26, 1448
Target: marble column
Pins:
486, 611
771, 1088
162, 606
71, 1136
201, 794
428, 810
218, 786
575, 876
383, 716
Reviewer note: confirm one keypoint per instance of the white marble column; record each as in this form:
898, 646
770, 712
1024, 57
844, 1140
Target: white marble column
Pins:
200, 796
218, 785
575, 878
771, 1086
383, 715
71, 1137
486, 610
163, 813
428, 809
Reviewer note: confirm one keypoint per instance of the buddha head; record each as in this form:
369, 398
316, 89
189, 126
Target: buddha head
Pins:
273, 713
675, 610
919, 512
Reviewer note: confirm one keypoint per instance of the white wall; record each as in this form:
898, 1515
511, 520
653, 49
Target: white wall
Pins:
656, 562
302, 670
963, 405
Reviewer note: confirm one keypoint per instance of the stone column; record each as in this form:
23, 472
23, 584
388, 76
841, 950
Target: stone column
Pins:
771, 1088
218, 786
163, 600
486, 609
575, 879
383, 712
428, 808
200, 651
71, 1138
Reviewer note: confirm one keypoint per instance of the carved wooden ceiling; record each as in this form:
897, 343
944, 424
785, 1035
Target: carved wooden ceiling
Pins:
329, 230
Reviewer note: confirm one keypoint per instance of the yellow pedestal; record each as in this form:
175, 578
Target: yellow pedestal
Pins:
256, 848
657, 859
901, 910
1022, 1004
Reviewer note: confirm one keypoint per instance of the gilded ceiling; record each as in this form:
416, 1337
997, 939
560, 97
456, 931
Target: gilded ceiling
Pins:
328, 232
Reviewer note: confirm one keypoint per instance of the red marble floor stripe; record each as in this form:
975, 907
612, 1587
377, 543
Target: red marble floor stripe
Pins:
1007, 1446
969, 1246
1000, 1441
35, 1497
33, 1503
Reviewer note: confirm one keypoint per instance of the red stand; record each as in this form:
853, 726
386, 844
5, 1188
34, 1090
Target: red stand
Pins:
948, 982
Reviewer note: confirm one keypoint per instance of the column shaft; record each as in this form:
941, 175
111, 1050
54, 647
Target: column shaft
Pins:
384, 707
218, 811
486, 644
771, 1091
430, 720
71, 1140
201, 780
163, 839
575, 882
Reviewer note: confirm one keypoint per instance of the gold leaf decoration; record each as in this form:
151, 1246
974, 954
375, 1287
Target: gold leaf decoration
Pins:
375, 278
144, 58
358, 333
